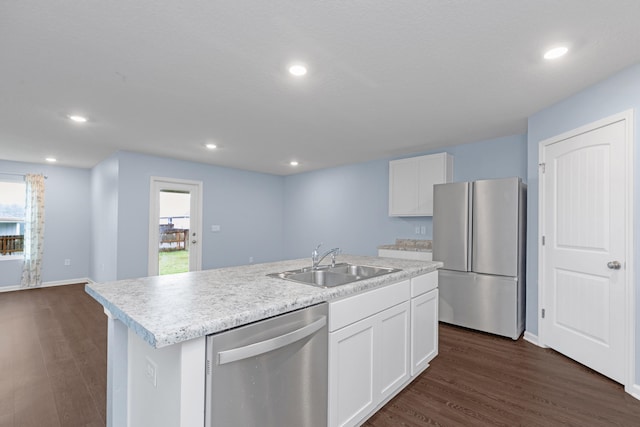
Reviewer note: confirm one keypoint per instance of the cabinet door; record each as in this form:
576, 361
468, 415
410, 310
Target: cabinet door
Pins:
392, 349
424, 330
411, 183
432, 171
404, 187
352, 373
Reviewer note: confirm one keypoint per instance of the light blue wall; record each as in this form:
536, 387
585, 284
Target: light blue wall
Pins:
67, 224
494, 158
613, 95
248, 207
347, 206
104, 224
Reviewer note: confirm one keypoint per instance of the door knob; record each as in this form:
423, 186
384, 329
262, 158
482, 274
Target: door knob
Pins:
614, 265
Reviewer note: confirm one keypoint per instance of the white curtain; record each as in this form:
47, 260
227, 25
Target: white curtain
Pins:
33, 231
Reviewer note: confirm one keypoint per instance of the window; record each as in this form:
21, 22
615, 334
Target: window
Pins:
12, 214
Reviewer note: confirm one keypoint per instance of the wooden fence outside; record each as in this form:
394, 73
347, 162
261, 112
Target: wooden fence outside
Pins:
11, 244
174, 239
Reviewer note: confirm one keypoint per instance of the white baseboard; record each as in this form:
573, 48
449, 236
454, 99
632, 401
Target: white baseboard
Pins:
533, 339
47, 284
633, 390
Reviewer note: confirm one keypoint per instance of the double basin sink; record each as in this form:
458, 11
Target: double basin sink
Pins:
333, 275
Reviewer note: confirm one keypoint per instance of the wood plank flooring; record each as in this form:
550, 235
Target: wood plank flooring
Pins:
483, 380
53, 373
53, 349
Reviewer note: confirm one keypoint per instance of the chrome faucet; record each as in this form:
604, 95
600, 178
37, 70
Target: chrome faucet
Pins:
316, 258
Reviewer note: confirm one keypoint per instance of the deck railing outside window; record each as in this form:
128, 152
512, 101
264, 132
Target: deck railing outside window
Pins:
11, 244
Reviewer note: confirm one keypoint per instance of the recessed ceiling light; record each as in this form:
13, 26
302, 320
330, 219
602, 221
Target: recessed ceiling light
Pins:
298, 70
51, 159
211, 146
294, 163
77, 119
556, 52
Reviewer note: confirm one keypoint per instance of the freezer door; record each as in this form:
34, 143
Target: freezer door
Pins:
451, 225
493, 304
496, 218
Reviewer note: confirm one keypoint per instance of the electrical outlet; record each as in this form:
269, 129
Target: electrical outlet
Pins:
215, 228
67, 262
423, 230
151, 371
250, 260
417, 230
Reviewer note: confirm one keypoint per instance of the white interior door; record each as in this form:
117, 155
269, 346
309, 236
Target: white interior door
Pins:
175, 226
585, 256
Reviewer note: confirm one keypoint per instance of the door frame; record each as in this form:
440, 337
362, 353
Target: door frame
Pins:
630, 307
158, 184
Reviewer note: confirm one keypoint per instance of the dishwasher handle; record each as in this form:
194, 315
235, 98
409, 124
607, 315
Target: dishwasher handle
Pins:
256, 349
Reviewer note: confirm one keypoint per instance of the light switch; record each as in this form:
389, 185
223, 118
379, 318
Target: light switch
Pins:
215, 228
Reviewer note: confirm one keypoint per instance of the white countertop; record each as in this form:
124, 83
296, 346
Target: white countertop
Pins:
166, 310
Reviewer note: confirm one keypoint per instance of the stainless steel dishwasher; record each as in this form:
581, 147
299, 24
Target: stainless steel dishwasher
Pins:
272, 373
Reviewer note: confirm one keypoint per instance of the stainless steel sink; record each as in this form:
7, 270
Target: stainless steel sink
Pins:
330, 276
364, 271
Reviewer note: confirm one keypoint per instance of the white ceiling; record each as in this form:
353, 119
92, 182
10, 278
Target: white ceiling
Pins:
386, 78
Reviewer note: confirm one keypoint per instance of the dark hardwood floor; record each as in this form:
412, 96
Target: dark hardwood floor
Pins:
53, 373
483, 380
53, 349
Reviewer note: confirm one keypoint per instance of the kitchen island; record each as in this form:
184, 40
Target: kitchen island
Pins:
157, 329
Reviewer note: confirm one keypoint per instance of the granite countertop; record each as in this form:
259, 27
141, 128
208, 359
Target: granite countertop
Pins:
166, 310
409, 245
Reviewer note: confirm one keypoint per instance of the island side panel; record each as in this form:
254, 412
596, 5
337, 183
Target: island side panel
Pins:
166, 385
193, 366
117, 359
154, 384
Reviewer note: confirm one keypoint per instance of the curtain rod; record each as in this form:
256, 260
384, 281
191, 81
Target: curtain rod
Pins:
19, 174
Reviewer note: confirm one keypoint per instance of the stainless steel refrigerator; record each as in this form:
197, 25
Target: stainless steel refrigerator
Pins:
479, 231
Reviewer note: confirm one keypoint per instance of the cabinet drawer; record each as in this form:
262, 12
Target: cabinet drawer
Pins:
357, 307
424, 283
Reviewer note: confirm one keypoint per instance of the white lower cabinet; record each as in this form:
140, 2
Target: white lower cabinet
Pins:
369, 360
392, 349
378, 341
351, 373
424, 321
424, 328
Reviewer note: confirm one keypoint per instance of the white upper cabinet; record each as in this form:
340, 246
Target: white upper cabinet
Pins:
411, 183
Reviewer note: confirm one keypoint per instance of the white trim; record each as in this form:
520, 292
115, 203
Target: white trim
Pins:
4, 258
47, 284
541, 228
631, 255
156, 185
630, 310
533, 339
633, 390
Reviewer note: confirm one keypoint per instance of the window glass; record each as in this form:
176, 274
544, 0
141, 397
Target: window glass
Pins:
12, 213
